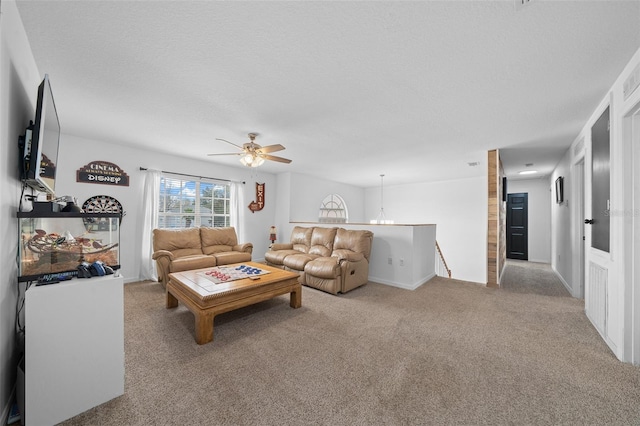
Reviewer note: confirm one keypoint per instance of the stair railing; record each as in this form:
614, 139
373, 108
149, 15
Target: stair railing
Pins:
441, 265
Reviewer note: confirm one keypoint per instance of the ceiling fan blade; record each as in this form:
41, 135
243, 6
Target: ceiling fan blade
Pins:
228, 153
224, 140
274, 158
270, 148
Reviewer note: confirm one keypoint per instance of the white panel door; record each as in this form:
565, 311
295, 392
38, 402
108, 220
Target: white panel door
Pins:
599, 298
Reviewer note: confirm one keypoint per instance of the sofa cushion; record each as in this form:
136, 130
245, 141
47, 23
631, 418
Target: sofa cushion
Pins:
358, 241
277, 257
180, 242
187, 263
215, 240
323, 267
301, 238
322, 241
228, 257
297, 261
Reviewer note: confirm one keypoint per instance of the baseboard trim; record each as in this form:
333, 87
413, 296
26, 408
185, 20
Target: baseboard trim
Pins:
402, 285
566, 285
539, 260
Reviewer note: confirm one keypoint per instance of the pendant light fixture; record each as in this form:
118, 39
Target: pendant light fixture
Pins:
381, 219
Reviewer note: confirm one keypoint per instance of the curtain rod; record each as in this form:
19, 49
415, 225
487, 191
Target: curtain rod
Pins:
194, 176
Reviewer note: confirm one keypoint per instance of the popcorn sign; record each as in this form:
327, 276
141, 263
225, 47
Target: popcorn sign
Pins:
102, 172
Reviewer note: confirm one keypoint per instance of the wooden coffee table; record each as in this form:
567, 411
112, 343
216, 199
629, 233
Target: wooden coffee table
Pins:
206, 299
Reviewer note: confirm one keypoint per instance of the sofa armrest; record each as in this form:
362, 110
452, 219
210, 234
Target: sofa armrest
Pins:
348, 255
163, 260
162, 253
246, 247
282, 246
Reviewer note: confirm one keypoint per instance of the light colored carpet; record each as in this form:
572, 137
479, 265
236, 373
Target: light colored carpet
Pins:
532, 277
449, 352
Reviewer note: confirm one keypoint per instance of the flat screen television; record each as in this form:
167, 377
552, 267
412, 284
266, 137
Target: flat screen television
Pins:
42, 138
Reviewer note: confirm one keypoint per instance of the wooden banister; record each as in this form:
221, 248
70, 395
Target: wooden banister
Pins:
444, 262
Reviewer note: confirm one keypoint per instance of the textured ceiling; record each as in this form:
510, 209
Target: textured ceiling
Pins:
414, 90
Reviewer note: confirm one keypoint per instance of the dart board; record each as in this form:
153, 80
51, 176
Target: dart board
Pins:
103, 204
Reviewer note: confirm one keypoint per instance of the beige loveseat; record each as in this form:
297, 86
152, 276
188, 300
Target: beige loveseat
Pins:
176, 250
334, 260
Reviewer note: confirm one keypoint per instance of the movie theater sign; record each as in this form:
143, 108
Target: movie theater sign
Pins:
102, 172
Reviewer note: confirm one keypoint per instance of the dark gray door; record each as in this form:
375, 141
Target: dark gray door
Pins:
517, 226
600, 178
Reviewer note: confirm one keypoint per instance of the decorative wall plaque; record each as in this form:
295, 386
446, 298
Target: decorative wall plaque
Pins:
102, 172
259, 203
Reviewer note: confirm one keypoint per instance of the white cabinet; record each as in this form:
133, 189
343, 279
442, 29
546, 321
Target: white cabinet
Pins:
74, 347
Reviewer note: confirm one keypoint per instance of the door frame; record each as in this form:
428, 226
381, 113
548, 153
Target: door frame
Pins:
631, 226
579, 239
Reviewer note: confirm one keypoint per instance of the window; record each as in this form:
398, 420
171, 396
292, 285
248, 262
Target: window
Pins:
333, 210
192, 203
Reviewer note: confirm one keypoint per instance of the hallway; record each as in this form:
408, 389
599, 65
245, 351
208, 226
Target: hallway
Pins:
521, 276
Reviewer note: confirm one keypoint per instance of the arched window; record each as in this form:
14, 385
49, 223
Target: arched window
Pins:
333, 210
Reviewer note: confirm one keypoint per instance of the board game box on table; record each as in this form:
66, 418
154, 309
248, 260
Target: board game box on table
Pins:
223, 274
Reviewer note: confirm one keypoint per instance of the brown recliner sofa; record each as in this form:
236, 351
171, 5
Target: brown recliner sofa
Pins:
176, 250
334, 260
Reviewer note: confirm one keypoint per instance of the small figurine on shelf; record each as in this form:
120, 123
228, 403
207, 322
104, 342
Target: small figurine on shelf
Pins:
272, 235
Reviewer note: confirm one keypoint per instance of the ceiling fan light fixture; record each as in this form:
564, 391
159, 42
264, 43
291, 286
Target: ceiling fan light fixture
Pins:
254, 155
251, 160
246, 159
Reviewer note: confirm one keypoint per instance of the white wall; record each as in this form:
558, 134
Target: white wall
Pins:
299, 198
459, 210
283, 206
457, 207
562, 247
307, 194
75, 152
539, 215
409, 249
19, 80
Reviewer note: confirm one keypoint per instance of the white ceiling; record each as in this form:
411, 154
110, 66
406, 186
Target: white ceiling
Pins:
414, 90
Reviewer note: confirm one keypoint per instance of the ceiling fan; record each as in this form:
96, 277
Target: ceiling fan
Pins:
253, 155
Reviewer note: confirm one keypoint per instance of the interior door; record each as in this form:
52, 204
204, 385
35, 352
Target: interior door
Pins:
599, 299
517, 226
